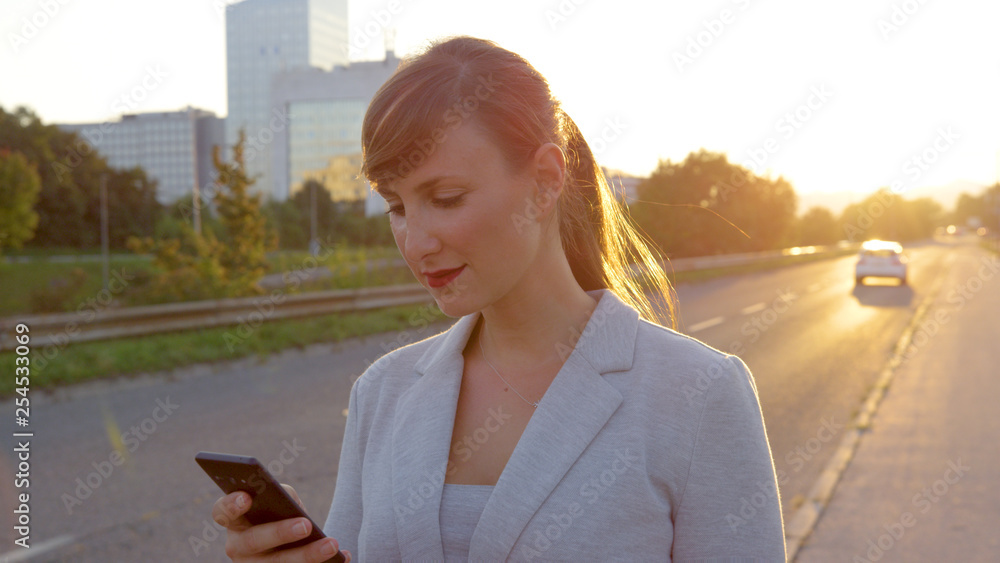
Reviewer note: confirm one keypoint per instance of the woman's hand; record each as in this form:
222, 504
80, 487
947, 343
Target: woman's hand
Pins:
246, 542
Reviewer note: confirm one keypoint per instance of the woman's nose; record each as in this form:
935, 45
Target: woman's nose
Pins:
421, 239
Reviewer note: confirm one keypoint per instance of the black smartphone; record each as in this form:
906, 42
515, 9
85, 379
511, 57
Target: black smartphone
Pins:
271, 502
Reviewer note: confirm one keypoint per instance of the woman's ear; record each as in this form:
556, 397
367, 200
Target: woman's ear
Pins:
550, 174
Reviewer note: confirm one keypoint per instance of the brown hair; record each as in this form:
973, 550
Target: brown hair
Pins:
468, 78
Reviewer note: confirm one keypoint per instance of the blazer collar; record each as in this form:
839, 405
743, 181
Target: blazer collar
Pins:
573, 410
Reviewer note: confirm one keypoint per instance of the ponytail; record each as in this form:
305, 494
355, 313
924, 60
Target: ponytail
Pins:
604, 249
580, 211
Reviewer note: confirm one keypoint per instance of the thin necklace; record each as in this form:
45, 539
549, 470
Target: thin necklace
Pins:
498, 372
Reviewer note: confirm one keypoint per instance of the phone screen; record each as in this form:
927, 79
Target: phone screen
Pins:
271, 502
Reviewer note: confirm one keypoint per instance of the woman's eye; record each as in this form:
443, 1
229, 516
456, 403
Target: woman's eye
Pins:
439, 202
449, 202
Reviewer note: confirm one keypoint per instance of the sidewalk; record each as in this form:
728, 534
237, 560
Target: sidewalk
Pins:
924, 483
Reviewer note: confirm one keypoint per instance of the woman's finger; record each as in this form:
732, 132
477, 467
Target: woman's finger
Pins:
265, 537
228, 511
295, 496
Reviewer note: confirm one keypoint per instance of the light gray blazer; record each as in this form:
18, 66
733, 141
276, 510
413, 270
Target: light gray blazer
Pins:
647, 446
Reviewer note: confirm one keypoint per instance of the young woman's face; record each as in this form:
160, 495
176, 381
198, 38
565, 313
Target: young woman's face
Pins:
464, 221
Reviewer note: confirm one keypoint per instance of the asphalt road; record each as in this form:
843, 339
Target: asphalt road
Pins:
815, 343
813, 340
922, 485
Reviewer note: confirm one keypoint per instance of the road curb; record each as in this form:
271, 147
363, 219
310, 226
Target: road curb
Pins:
806, 517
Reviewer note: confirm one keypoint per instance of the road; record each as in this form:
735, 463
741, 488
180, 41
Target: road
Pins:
815, 343
813, 340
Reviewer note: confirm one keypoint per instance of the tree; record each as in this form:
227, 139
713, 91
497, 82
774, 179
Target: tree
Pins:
967, 207
61, 204
19, 188
886, 215
340, 221
706, 205
202, 266
326, 211
246, 234
352, 227
818, 226
984, 207
132, 206
991, 208
293, 229
70, 173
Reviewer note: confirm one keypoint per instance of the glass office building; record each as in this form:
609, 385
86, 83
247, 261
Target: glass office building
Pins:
264, 38
319, 132
322, 140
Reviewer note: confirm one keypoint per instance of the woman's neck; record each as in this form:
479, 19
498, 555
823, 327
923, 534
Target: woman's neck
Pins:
537, 324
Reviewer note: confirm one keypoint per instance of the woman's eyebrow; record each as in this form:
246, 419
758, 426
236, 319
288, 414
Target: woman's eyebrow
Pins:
426, 184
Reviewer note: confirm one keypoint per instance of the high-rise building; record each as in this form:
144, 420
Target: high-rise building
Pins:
322, 140
266, 37
174, 147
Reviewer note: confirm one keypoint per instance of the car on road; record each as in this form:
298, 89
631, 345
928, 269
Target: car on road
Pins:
880, 258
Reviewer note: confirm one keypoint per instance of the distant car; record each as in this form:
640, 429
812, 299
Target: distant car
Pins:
880, 258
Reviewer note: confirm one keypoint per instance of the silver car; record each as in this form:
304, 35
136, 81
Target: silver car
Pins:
880, 258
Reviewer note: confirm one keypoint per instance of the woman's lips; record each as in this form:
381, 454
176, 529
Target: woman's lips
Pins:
442, 278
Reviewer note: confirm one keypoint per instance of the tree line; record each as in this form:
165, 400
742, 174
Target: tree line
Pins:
702, 205
50, 198
705, 205
66, 208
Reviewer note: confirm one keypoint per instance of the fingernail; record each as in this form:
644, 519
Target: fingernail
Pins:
328, 550
241, 501
299, 529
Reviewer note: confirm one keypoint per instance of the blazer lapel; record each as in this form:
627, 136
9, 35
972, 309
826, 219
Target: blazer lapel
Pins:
422, 429
572, 412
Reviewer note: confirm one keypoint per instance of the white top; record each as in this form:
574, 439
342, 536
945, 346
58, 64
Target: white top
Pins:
461, 507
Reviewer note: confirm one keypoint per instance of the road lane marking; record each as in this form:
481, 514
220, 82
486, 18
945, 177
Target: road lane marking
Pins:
705, 324
753, 308
37, 549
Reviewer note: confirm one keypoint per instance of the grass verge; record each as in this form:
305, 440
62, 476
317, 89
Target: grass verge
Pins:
59, 286
94, 360
42, 286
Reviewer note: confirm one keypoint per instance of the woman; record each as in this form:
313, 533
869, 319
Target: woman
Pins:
555, 419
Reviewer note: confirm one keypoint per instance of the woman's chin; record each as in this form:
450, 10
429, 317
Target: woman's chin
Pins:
453, 303
454, 308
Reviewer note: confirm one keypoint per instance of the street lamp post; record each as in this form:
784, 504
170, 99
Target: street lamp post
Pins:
313, 242
105, 253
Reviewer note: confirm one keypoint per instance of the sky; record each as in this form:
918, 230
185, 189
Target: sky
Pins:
833, 96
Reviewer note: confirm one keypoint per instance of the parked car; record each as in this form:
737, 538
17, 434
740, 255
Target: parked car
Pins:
880, 258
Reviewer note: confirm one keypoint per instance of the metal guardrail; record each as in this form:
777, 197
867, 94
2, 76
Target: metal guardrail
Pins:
61, 329
724, 260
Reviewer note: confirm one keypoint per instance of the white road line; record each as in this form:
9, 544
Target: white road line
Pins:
753, 308
705, 324
36, 549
